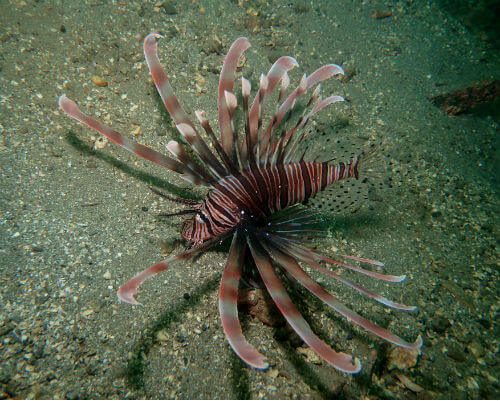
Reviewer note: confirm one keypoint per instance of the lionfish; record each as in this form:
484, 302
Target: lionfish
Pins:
256, 184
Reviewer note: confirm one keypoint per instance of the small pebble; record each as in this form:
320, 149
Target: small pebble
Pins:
51, 376
161, 336
310, 355
99, 81
476, 349
456, 352
107, 275
440, 324
402, 358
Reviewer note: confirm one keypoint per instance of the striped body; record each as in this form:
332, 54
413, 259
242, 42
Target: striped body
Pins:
261, 191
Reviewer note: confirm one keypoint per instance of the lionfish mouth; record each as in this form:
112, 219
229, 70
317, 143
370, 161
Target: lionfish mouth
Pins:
255, 186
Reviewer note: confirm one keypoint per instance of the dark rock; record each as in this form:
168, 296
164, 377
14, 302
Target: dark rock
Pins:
51, 376
169, 7
464, 100
180, 338
456, 352
6, 328
12, 388
5, 376
440, 323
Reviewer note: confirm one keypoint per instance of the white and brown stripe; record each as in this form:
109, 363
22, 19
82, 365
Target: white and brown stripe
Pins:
261, 191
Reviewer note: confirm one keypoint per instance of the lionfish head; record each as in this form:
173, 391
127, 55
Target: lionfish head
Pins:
195, 229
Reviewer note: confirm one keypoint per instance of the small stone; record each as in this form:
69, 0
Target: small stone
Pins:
107, 275
310, 355
260, 305
5, 377
169, 7
180, 338
100, 143
476, 349
87, 313
272, 373
12, 388
456, 352
409, 384
99, 81
440, 324
161, 336
472, 383
92, 369
212, 45
51, 376
6, 328
403, 358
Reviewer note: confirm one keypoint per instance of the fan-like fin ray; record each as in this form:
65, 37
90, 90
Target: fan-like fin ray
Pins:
72, 110
279, 295
127, 291
275, 74
228, 308
174, 108
166, 92
379, 276
291, 266
308, 257
229, 165
226, 83
321, 74
292, 142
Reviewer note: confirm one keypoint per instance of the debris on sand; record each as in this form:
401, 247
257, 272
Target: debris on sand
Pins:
463, 100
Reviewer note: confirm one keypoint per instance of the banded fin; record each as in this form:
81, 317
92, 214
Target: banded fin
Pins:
228, 299
226, 83
176, 149
127, 291
174, 108
292, 142
166, 92
276, 73
292, 267
229, 165
72, 110
279, 295
321, 74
